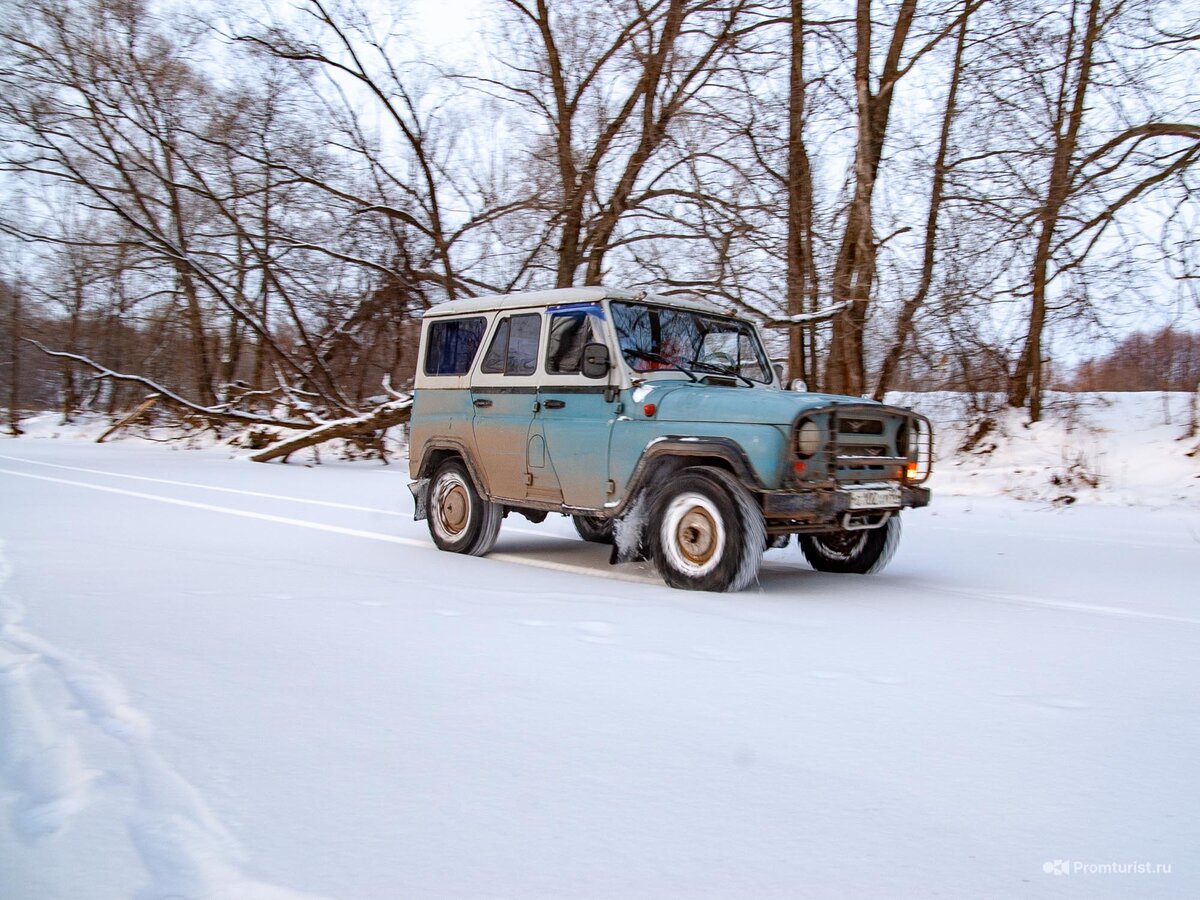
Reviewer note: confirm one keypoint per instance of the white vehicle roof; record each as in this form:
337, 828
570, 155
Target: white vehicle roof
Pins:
538, 299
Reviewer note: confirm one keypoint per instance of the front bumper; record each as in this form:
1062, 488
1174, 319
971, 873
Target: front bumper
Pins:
815, 507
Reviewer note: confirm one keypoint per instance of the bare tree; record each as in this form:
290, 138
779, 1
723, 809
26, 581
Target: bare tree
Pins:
610, 85
108, 107
1076, 176
427, 211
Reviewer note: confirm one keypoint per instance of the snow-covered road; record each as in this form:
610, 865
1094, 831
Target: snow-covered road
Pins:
226, 679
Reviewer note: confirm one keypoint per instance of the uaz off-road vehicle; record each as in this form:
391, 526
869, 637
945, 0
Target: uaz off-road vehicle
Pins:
656, 421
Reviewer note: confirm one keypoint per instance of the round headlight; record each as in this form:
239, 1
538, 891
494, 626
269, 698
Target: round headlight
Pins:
808, 439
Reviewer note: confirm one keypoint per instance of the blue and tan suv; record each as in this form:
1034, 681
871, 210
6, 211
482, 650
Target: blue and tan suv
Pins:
658, 424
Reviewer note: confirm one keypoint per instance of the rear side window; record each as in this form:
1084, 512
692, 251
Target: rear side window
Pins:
514, 349
452, 345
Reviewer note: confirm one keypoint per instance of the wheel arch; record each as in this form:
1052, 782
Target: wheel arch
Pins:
668, 455
437, 452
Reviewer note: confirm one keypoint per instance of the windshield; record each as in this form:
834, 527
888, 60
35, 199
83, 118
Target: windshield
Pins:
655, 338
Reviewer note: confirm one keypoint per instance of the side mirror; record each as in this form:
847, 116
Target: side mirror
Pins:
596, 362
778, 367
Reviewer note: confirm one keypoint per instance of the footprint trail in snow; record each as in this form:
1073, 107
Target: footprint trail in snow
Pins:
45, 782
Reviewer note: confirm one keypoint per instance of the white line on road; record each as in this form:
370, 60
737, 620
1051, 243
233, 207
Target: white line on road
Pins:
1157, 544
226, 490
338, 529
207, 487
1060, 605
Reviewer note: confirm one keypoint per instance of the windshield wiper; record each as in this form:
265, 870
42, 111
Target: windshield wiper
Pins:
724, 370
658, 358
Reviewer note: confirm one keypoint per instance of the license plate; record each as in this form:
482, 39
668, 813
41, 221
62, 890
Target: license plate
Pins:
874, 498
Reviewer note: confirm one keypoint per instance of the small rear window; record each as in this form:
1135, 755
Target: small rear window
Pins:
514, 349
452, 345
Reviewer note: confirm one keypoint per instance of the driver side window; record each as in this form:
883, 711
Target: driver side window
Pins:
569, 333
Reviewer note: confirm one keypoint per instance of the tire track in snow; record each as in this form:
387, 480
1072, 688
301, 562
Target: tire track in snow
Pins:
186, 850
41, 765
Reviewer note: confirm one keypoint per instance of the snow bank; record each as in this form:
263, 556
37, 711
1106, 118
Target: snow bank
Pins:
1121, 449
236, 440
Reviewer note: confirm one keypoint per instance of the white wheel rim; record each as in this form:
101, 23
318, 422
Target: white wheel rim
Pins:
451, 506
692, 534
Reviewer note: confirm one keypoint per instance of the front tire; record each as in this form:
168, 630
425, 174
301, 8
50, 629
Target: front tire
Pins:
707, 533
595, 529
852, 552
460, 521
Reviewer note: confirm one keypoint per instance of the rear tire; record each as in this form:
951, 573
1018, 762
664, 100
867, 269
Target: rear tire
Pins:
460, 521
706, 532
596, 529
853, 552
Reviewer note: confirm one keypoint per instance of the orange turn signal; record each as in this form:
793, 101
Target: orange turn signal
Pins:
649, 409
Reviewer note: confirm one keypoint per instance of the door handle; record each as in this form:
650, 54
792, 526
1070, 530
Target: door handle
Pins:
555, 404
483, 404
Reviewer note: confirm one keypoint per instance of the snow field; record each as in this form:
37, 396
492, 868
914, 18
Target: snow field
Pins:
223, 679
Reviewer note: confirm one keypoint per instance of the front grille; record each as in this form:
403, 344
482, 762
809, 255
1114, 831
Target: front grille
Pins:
860, 443
853, 464
858, 454
860, 426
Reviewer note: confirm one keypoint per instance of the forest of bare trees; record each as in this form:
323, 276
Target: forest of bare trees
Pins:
246, 215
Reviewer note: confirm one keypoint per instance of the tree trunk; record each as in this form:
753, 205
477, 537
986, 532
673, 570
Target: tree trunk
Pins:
1026, 385
14, 363
568, 245
70, 390
854, 271
195, 315
802, 286
1194, 418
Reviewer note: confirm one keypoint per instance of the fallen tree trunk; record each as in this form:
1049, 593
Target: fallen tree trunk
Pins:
382, 417
142, 407
208, 413
376, 421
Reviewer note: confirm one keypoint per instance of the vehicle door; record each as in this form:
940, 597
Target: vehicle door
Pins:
503, 394
576, 412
